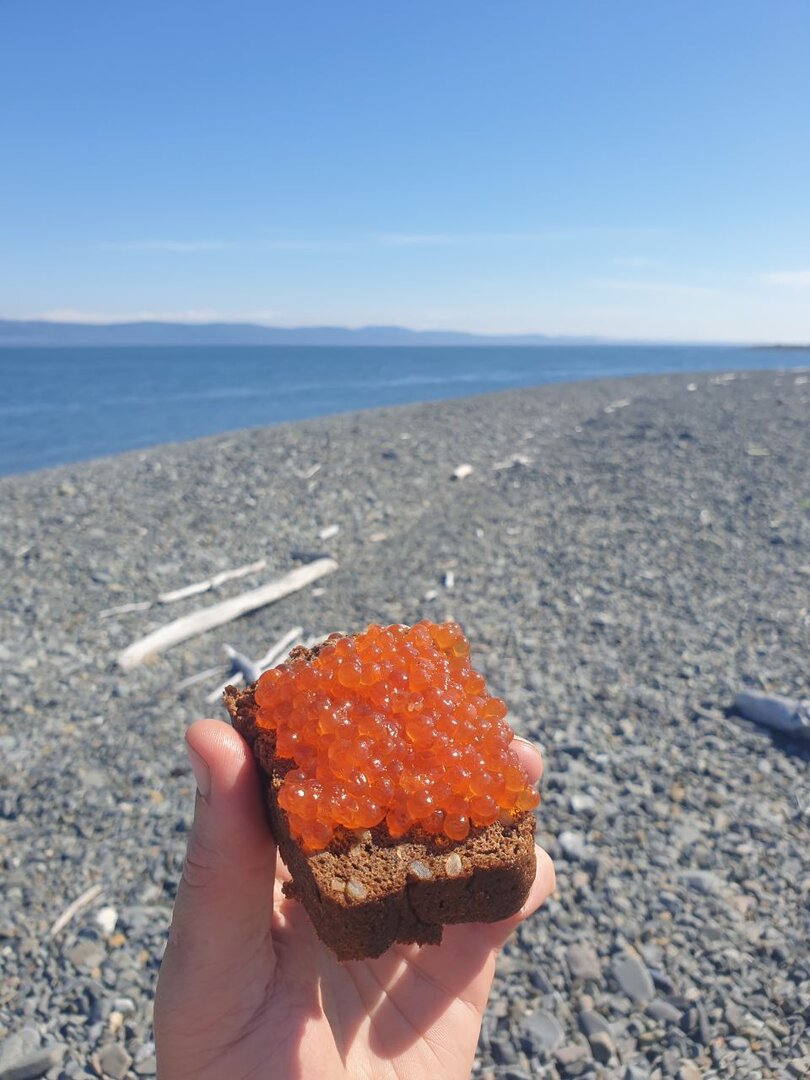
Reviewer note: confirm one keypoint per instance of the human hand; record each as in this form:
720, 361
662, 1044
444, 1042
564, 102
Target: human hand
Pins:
246, 991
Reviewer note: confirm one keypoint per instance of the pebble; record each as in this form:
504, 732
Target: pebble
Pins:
33, 1064
583, 962
572, 845
703, 881
571, 1052
107, 919
662, 1010
21, 1043
87, 954
582, 804
592, 1022
114, 1061
688, 1070
602, 1047
633, 977
543, 1030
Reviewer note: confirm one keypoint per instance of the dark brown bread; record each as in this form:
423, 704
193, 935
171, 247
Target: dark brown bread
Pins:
366, 891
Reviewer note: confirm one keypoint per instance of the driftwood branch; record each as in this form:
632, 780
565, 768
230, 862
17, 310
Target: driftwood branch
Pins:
201, 676
779, 713
197, 622
125, 609
212, 582
83, 901
243, 669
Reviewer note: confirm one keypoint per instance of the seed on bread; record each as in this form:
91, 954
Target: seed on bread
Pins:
452, 865
419, 870
356, 890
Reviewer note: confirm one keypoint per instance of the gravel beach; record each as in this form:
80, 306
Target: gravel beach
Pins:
624, 556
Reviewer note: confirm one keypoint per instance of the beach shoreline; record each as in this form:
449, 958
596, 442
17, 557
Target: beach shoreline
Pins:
624, 555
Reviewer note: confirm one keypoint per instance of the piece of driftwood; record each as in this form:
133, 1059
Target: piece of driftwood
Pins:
242, 669
788, 715
125, 609
212, 582
197, 622
201, 676
86, 898
278, 648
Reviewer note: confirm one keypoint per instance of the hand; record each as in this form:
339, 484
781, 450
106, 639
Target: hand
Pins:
247, 992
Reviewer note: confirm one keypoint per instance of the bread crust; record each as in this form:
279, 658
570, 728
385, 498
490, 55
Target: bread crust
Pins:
365, 891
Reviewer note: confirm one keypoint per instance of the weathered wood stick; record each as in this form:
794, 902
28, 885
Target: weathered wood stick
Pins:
780, 713
87, 897
197, 622
125, 609
278, 648
242, 669
212, 582
201, 676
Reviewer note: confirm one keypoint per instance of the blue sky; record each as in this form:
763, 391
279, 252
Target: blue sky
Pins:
624, 168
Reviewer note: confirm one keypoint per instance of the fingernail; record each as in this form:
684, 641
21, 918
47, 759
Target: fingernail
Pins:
202, 773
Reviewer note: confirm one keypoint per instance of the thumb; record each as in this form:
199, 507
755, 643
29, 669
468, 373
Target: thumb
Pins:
221, 922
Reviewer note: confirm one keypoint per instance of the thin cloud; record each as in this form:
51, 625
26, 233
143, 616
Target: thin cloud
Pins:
419, 239
791, 279
177, 246
652, 286
635, 262
552, 233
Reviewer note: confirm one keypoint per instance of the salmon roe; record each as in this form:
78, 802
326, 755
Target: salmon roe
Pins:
391, 726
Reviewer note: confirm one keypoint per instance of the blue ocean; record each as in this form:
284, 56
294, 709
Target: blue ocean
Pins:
62, 405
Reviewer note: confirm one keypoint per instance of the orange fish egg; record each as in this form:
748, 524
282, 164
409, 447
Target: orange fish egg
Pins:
391, 727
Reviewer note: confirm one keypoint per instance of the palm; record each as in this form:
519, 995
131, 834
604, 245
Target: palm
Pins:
412, 1012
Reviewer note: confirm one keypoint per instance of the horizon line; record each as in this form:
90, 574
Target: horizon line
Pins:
147, 319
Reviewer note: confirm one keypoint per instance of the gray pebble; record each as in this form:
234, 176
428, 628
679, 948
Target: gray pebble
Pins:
502, 1050
631, 973
114, 1061
689, 1071
583, 962
21, 1043
703, 881
87, 954
572, 845
662, 1010
581, 803
602, 1047
571, 1052
591, 1022
33, 1064
543, 1030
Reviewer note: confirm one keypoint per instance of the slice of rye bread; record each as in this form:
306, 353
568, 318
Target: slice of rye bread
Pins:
365, 891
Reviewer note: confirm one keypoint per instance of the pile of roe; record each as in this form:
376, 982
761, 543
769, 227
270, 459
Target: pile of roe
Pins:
391, 725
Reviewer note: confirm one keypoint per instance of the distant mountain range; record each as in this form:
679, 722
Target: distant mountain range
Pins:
18, 333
